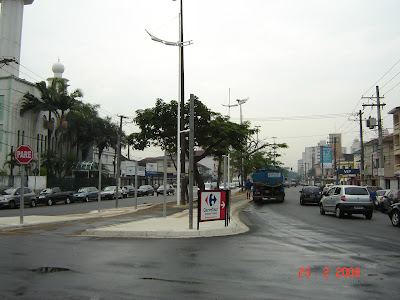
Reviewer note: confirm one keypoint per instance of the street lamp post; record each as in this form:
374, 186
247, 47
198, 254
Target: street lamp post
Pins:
239, 103
180, 157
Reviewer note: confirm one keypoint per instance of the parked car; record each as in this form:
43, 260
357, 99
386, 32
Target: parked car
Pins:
392, 197
11, 197
327, 187
310, 194
394, 214
381, 195
169, 190
145, 190
376, 188
110, 192
210, 186
349, 199
128, 190
86, 194
53, 195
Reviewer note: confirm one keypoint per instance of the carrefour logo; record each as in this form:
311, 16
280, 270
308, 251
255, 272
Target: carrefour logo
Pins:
211, 200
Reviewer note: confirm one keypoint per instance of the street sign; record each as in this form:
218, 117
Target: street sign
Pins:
24, 154
213, 205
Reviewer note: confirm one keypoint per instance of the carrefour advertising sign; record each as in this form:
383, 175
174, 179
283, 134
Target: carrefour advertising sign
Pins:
326, 157
212, 205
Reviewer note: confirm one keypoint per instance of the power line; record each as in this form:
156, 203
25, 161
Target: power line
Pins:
298, 118
381, 77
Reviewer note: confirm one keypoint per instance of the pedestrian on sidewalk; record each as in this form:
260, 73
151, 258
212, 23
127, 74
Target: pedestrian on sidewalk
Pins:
248, 186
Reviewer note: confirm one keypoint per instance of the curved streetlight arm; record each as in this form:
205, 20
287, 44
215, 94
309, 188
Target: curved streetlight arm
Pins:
156, 39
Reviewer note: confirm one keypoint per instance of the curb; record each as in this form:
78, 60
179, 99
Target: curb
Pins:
236, 226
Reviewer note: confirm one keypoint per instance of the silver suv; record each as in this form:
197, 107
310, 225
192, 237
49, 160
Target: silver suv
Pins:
349, 199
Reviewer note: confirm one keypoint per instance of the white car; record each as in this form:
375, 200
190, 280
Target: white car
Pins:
208, 186
349, 199
109, 192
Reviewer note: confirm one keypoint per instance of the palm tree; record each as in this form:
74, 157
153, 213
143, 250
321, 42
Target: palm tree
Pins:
105, 135
45, 103
12, 161
80, 124
68, 163
54, 99
50, 162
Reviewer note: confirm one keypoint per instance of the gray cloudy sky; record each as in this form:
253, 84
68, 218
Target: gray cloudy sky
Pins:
304, 64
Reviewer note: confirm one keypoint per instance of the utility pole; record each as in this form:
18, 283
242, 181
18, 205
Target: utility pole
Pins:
191, 160
362, 172
181, 173
118, 159
381, 170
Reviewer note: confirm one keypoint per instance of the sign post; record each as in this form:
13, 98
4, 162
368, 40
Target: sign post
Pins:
24, 155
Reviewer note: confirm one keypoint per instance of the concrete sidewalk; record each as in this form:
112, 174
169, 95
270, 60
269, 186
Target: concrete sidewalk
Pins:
173, 226
176, 226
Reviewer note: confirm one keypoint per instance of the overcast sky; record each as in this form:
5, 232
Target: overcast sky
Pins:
304, 64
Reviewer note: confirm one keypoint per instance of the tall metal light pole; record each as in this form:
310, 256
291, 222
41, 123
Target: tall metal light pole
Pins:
257, 130
239, 103
180, 157
119, 160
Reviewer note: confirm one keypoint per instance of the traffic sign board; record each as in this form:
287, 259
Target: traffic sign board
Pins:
24, 154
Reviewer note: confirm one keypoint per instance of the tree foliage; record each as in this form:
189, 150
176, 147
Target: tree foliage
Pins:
213, 133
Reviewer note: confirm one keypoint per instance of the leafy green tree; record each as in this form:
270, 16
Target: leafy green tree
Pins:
80, 127
213, 133
258, 156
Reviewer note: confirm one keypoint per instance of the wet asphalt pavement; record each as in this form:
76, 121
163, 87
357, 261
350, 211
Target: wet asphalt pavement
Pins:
264, 263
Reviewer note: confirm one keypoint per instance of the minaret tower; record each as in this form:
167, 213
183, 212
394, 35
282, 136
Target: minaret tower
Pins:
11, 33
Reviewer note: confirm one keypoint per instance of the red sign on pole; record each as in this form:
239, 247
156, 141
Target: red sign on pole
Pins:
24, 154
213, 205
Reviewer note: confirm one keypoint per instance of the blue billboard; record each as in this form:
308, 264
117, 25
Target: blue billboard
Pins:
326, 157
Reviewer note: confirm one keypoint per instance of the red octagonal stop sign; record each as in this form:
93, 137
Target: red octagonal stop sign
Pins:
24, 154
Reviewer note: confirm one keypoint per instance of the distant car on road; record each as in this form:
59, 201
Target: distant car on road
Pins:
169, 190
145, 190
86, 194
349, 199
310, 194
11, 197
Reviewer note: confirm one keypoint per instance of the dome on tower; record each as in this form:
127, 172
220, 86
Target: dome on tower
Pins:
58, 69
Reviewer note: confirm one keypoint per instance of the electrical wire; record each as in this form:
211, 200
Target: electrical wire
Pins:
382, 77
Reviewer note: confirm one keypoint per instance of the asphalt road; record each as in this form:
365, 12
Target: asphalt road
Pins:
285, 255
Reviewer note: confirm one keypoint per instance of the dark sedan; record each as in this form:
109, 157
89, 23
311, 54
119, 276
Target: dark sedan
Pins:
394, 214
86, 194
310, 194
391, 198
145, 190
